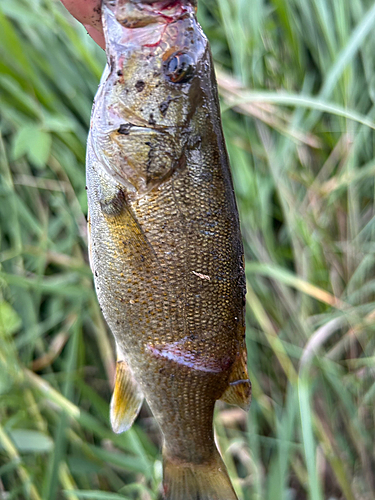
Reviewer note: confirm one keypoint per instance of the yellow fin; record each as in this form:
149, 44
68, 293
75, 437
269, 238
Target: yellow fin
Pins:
203, 481
126, 400
238, 391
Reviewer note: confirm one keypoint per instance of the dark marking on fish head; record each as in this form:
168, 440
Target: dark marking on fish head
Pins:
151, 119
124, 129
164, 106
112, 62
140, 85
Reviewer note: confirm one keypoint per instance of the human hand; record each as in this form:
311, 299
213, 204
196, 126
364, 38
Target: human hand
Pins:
88, 12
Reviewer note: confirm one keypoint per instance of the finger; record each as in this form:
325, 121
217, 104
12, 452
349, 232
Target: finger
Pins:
96, 35
88, 12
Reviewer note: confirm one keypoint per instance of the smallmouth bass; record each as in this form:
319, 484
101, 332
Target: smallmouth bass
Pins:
165, 243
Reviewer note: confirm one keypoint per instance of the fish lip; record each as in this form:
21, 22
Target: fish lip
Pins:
145, 4
140, 13
157, 31
167, 3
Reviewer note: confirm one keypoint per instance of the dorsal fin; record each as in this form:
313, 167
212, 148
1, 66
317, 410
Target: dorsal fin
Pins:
238, 391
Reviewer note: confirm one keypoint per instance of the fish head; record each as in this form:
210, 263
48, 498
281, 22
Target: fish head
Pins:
158, 80
156, 55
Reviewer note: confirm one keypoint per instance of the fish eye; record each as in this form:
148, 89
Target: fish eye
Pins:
180, 67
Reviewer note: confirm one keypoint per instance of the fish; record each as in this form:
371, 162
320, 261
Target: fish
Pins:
165, 245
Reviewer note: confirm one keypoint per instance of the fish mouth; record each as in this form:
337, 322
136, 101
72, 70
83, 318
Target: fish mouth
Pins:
162, 3
157, 4
140, 13
131, 25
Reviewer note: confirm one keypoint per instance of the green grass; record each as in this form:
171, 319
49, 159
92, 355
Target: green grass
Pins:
297, 85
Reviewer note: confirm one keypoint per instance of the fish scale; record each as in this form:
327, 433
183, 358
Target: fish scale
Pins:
165, 243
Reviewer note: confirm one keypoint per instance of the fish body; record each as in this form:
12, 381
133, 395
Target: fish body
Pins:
165, 243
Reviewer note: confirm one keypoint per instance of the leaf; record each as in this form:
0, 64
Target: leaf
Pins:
58, 123
298, 100
95, 494
21, 141
10, 322
288, 278
308, 440
28, 441
40, 150
81, 465
33, 142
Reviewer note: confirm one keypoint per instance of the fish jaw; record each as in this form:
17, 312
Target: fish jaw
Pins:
137, 14
121, 37
146, 103
179, 30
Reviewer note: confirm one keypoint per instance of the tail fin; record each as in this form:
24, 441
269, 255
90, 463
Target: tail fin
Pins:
189, 481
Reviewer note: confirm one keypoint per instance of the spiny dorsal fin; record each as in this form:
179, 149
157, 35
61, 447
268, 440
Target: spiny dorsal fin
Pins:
127, 399
238, 391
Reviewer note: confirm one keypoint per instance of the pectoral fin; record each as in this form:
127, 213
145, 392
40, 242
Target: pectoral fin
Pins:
126, 400
238, 391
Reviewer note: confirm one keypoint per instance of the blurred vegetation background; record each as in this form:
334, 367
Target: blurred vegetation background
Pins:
297, 87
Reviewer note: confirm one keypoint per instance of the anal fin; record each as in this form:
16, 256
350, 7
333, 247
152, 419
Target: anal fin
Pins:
127, 399
238, 391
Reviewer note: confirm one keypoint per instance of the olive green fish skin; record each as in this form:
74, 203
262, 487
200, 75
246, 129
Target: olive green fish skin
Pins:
165, 241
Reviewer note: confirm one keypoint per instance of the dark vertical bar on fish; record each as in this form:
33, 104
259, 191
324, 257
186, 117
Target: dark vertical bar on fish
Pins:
165, 243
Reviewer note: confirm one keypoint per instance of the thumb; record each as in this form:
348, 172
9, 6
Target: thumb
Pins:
88, 12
